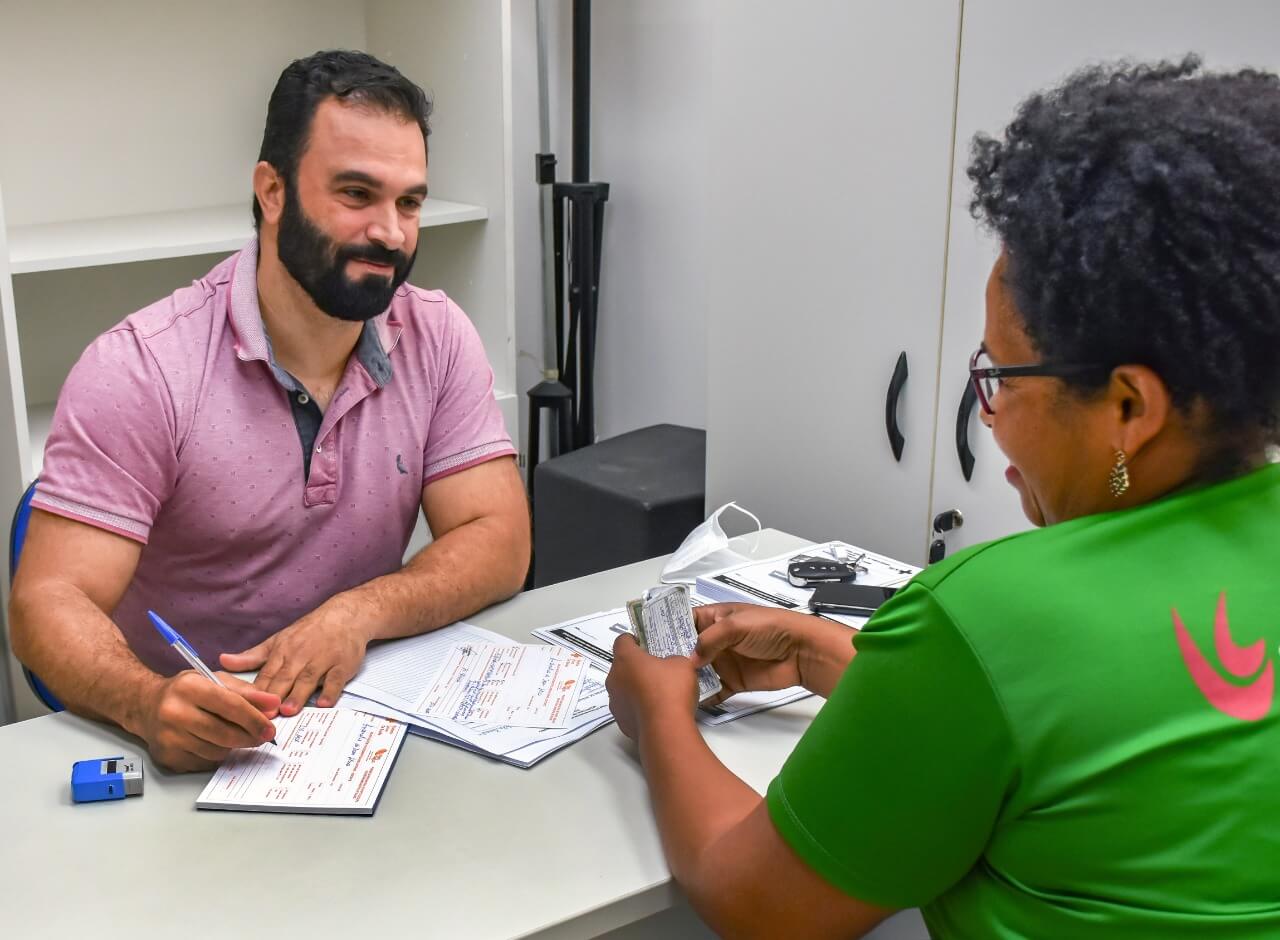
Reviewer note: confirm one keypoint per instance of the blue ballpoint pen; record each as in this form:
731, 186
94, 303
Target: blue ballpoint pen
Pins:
183, 649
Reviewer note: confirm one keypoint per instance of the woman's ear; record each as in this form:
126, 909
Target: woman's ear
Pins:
268, 187
1140, 404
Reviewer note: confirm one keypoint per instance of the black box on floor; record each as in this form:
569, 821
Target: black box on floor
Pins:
617, 501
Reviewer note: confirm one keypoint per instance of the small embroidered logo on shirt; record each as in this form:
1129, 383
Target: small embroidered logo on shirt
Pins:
400, 464
1247, 702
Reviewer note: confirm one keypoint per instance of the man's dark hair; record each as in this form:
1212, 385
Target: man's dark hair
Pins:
356, 77
1139, 210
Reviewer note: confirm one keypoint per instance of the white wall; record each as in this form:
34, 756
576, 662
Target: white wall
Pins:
528, 257
79, 122
649, 92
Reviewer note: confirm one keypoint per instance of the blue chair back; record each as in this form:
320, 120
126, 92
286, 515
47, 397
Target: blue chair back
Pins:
18, 534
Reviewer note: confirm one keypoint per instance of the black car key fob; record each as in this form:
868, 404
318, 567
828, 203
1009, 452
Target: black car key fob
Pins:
810, 573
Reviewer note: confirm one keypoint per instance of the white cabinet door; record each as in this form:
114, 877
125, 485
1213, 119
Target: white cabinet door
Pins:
830, 146
1009, 49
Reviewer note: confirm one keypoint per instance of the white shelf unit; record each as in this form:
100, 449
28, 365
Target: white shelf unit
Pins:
151, 236
130, 133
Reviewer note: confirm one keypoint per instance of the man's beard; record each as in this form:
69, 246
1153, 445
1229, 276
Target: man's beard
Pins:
319, 264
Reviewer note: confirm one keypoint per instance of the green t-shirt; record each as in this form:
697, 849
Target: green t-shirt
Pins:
1065, 733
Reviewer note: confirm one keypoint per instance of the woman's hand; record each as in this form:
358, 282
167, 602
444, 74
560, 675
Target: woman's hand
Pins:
643, 688
762, 649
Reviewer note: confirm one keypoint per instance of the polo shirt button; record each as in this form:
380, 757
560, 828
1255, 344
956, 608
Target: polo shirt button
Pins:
319, 448
303, 398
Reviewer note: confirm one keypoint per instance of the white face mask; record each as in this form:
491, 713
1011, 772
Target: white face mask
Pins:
706, 549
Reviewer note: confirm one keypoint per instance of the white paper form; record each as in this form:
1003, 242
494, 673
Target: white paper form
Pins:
506, 683
765, 582
397, 674
748, 703
327, 760
520, 746
526, 755
401, 672
594, 635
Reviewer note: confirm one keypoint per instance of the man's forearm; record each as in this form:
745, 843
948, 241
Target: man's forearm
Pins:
471, 567
80, 654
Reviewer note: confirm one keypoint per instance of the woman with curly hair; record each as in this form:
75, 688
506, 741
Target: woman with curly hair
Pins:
1072, 731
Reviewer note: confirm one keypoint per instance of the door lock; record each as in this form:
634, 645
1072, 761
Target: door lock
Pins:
943, 522
948, 520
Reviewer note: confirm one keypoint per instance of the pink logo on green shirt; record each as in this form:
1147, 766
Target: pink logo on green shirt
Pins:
1248, 702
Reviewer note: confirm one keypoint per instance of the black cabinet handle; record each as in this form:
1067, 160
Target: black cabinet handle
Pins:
896, 440
967, 401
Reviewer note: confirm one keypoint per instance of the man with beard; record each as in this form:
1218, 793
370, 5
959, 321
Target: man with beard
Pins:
248, 456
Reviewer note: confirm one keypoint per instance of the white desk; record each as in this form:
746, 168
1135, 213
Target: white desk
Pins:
460, 847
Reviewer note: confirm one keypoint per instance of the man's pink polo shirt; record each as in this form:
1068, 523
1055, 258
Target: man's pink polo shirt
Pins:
177, 429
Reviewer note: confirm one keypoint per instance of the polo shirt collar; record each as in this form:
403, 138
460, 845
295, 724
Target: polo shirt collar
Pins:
377, 338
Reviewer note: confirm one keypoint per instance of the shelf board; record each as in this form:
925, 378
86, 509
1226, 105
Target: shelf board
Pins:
58, 246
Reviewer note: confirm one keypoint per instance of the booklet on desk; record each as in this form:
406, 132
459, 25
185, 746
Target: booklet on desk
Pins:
327, 760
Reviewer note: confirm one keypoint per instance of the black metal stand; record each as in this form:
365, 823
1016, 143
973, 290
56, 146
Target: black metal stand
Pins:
555, 398
585, 202
568, 391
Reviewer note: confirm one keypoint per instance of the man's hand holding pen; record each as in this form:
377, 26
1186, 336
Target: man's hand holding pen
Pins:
190, 723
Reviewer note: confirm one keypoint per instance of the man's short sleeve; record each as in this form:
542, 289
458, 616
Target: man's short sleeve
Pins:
466, 424
893, 792
111, 460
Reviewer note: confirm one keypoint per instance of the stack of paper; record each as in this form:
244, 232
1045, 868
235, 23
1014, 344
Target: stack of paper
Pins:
477, 690
765, 582
593, 637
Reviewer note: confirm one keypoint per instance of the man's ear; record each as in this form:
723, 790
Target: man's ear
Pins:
268, 187
1142, 406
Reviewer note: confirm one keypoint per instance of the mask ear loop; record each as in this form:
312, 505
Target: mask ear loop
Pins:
755, 519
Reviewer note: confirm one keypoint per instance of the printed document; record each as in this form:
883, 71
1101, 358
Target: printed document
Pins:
594, 634
326, 760
401, 673
509, 683
521, 747
765, 582
397, 676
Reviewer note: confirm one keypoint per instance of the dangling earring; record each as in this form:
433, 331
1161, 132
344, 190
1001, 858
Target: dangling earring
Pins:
1118, 479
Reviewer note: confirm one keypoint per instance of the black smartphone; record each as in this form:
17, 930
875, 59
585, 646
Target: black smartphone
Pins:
859, 600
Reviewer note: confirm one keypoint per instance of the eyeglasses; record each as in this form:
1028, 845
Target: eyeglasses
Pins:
986, 378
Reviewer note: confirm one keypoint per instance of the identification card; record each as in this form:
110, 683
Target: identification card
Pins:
663, 624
